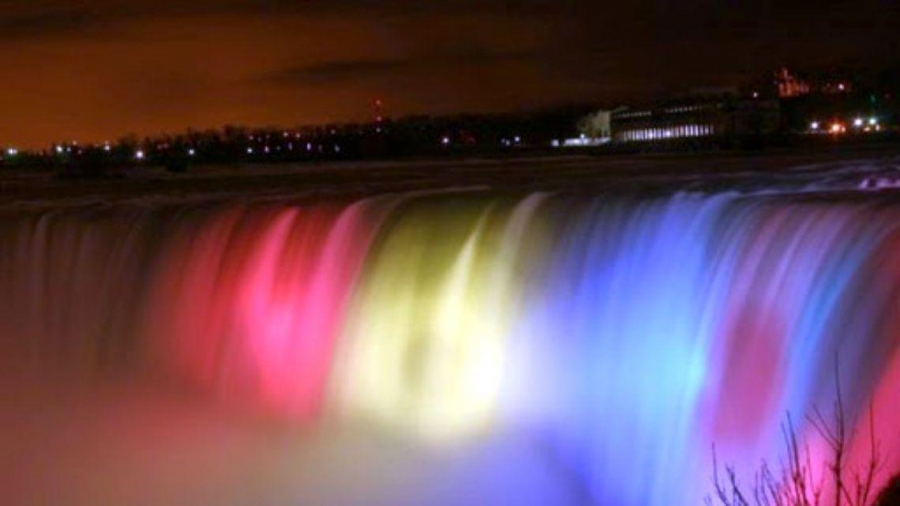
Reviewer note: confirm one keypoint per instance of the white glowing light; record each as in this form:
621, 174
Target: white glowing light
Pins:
191, 152
249, 151
139, 155
873, 121
858, 122
59, 149
12, 151
814, 125
445, 141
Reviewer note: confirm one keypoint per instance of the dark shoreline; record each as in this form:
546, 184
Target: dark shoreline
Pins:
535, 172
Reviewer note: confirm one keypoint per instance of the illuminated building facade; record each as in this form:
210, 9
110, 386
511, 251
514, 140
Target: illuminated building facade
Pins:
696, 120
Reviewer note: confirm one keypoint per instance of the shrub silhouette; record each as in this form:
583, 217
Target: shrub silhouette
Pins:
795, 486
890, 496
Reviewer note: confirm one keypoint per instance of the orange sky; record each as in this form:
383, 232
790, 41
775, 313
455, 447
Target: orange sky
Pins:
96, 70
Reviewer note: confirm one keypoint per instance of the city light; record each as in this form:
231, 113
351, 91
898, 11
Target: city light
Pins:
249, 151
139, 154
191, 152
814, 125
12, 151
858, 122
837, 128
873, 121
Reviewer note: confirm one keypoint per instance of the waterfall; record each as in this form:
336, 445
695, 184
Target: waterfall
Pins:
623, 335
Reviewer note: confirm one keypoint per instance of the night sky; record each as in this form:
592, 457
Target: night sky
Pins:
98, 69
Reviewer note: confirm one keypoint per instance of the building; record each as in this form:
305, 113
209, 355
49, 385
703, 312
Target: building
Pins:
789, 85
696, 119
596, 125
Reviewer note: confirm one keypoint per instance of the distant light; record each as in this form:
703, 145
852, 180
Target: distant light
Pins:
814, 125
841, 86
755, 94
445, 141
12, 151
837, 128
107, 147
59, 149
249, 151
555, 143
139, 155
517, 139
873, 121
858, 122
191, 152
337, 148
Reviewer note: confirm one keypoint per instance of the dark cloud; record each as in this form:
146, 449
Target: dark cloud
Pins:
331, 72
49, 21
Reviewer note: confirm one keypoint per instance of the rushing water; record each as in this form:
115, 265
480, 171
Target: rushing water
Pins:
619, 335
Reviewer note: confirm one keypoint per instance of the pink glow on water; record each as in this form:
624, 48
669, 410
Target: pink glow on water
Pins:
257, 299
292, 302
884, 403
752, 374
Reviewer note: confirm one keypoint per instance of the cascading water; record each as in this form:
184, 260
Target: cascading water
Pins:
620, 336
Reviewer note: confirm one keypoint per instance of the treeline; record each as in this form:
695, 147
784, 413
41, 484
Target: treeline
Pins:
413, 136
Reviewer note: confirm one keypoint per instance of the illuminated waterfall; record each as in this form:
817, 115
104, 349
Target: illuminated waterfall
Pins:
624, 335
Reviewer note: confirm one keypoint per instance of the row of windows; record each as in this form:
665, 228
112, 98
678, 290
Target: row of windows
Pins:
673, 132
686, 108
634, 114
